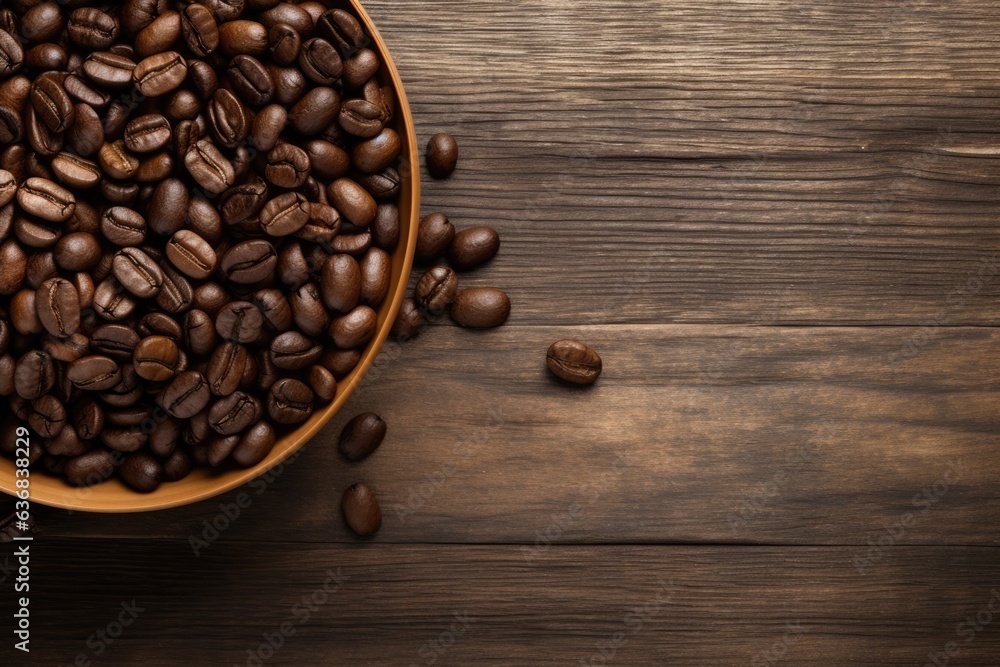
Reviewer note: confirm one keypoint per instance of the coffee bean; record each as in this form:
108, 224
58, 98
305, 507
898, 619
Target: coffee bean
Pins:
204, 220
46, 57
201, 32
177, 466
94, 373
287, 166
294, 351
308, 312
383, 186
361, 510
86, 136
319, 60
329, 161
289, 402
234, 413
361, 436
48, 416
574, 362
352, 244
441, 155
76, 172
283, 44
285, 214
159, 35
168, 207
360, 67
473, 247
52, 104
209, 167
91, 468
341, 281
203, 78
409, 322
226, 367
355, 328
141, 472
42, 22
267, 127
123, 226
116, 161
58, 307
183, 105
243, 37
78, 251
376, 273
343, 30
191, 254
254, 445
156, 358
109, 70
436, 289
45, 199
160, 324
353, 202
159, 74
251, 80
11, 54
186, 395
315, 111
434, 234
115, 341
480, 308
385, 228
137, 272
147, 134
91, 29
239, 321
250, 262
228, 119
322, 382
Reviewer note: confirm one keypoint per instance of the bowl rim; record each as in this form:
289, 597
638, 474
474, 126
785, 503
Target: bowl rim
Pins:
74, 498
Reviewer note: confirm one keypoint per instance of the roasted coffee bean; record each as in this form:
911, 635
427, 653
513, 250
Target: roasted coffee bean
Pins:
329, 161
251, 80
44, 141
137, 272
94, 373
168, 207
376, 273
159, 324
573, 362
473, 247
254, 445
267, 127
52, 104
186, 395
319, 60
353, 202
91, 468
115, 341
183, 105
199, 334
409, 322
8, 187
289, 401
84, 93
239, 321
289, 84
441, 155
123, 439
361, 118
42, 22
78, 251
243, 37
7, 366
361, 510
211, 297
91, 29
45, 199
13, 267
141, 472
359, 68
243, 202
226, 367
250, 262
109, 70
47, 417
385, 228
133, 416
46, 57
283, 44
41, 267
209, 167
383, 186
58, 307
159, 74
86, 136
123, 226
287, 166
352, 244
341, 283
204, 220
177, 466
147, 134
285, 214
308, 312
289, 14
67, 443
434, 234
203, 77
159, 35
155, 358
293, 266
11, 54
275, 308
322, 382
436, 289
155, 168
377, 153
116, 161
76, 172
293, 351
315, 111
361, 436
354, 329
234, 413
191, 254
112, 302
228, 119
201, 32
343, 30
480, 308
163, 435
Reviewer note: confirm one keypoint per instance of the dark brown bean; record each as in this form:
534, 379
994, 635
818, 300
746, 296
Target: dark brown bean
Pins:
58, 307
361, 436
473, 247
91, 468
361, 510
94, 373
289, 401
409, 322
186, 395
159, 74
250, 261
141, 472
441, 155
436, 289
255, 444
147, 134
201, 33
376, 273
434, 234
480, 308
355, 328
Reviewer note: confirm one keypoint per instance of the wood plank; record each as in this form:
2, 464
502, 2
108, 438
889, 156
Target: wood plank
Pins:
693, 434
698, 606
717, 162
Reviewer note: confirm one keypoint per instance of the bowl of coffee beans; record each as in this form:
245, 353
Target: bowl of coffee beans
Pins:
208, 214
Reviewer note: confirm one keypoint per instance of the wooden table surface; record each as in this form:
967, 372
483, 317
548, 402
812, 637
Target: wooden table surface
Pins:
778, 223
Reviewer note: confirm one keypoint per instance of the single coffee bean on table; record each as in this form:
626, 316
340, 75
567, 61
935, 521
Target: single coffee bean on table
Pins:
574, 362
362, 435
361, 510
442, 155
199, 203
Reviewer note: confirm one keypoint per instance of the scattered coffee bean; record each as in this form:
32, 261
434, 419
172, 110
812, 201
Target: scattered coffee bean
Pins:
361, 436
436, 289
361, 510
574, 362
442, 155
434, 235
480, 308
473, 247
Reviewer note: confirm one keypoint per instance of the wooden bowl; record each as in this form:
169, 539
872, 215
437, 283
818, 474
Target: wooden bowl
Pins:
113, 496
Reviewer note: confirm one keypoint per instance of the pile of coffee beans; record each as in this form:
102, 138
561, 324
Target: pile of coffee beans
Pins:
198, 202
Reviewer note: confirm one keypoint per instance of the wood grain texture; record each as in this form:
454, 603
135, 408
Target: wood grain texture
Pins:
703, 161
692, 434
696, 606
